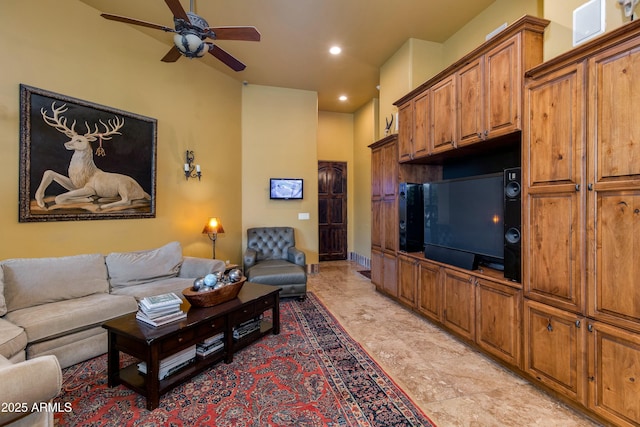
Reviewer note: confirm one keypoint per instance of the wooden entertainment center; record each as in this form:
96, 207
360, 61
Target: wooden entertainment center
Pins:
572, 326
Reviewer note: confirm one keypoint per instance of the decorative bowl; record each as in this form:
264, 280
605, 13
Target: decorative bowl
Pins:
212, 297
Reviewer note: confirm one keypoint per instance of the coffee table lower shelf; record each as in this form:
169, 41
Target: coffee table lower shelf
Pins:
151, 345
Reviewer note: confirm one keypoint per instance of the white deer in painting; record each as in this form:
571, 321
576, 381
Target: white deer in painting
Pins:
86, 181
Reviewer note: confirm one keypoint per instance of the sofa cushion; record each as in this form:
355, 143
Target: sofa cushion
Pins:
134, 268
3, 305
58, 318
276, 272
30, 282
172, 284
13, 339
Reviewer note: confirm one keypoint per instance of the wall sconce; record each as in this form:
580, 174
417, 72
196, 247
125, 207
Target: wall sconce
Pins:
212, 228
191, 170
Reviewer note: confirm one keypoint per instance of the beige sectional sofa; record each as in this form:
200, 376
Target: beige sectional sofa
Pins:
56, 306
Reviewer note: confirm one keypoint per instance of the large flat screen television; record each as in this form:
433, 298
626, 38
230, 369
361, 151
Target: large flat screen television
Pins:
466, 214
285, 188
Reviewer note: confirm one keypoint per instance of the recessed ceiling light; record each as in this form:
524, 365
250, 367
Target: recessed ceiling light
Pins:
335, 50
342, 98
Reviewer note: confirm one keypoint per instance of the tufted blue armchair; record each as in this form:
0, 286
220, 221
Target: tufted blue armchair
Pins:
271, 258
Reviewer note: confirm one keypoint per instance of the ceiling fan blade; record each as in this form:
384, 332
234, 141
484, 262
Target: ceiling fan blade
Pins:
136, 22
177, 9
172, 56
236, 33
225, 57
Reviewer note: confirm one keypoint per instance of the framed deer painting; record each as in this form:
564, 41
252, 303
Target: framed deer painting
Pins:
84, 161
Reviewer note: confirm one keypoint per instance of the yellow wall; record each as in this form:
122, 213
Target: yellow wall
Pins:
335, 144
365, 133
279, 133
67, 48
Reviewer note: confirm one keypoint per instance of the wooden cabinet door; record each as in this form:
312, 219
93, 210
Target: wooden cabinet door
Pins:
498, 320
554, 347
376, 224
390, 274
376, 173
405, 131
553, 259
459, 303
422, 124
389, 225
429, 302
554, 202
503, 87
614, 374
443, 118
377, 265
614, 180
470, 112
390, 169
407, 283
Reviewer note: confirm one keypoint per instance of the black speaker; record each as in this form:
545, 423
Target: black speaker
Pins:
512, 224
411, 217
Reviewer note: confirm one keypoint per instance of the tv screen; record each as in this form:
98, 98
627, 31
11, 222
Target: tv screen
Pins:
285, 188
466, 214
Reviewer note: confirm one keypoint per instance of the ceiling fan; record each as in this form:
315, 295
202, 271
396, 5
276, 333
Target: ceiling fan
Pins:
191, 31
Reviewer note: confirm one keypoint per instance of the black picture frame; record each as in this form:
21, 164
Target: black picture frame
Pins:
121, 146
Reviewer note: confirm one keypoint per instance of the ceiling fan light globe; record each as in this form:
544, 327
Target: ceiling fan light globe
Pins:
190, 45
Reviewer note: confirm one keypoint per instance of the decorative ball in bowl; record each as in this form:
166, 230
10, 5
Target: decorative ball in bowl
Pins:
201, 295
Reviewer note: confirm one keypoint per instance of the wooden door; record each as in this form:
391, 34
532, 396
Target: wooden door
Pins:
428, 302
554, 192
407, 280
405, 131
613, 201
470, 120
332, 210
421, 110
443, 98
498, 320
554, 349
503, 88
614, 386
459, 303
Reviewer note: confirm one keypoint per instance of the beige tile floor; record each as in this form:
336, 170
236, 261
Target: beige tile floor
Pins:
452, 383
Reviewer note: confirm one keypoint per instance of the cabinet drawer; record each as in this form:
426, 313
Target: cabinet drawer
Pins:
178, 340
210, 328
264, 304
246, 313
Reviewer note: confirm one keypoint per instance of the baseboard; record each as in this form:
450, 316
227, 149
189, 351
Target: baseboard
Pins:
360, 259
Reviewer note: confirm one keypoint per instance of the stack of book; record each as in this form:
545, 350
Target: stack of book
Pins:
173, 363
246, 328
210, 345
159, 310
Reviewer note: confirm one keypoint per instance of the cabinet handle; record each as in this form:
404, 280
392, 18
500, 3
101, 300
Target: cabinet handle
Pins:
549, 326
577, 187
577, 323
590, 186
590, 327
486, 134
479, 135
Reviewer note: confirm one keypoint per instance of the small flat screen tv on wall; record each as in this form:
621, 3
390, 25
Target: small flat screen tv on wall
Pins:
285, 188
466, 214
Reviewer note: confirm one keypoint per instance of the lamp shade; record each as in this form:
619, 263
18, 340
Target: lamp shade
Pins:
213, 226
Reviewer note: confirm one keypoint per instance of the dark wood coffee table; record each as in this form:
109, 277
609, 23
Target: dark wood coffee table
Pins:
151, 345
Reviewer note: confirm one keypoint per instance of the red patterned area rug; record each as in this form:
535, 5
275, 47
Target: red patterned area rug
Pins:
311, 374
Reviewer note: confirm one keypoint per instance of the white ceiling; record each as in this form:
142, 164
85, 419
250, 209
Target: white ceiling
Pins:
297, 34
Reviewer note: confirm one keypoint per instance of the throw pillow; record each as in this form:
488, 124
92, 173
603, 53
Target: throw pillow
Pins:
135, 268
